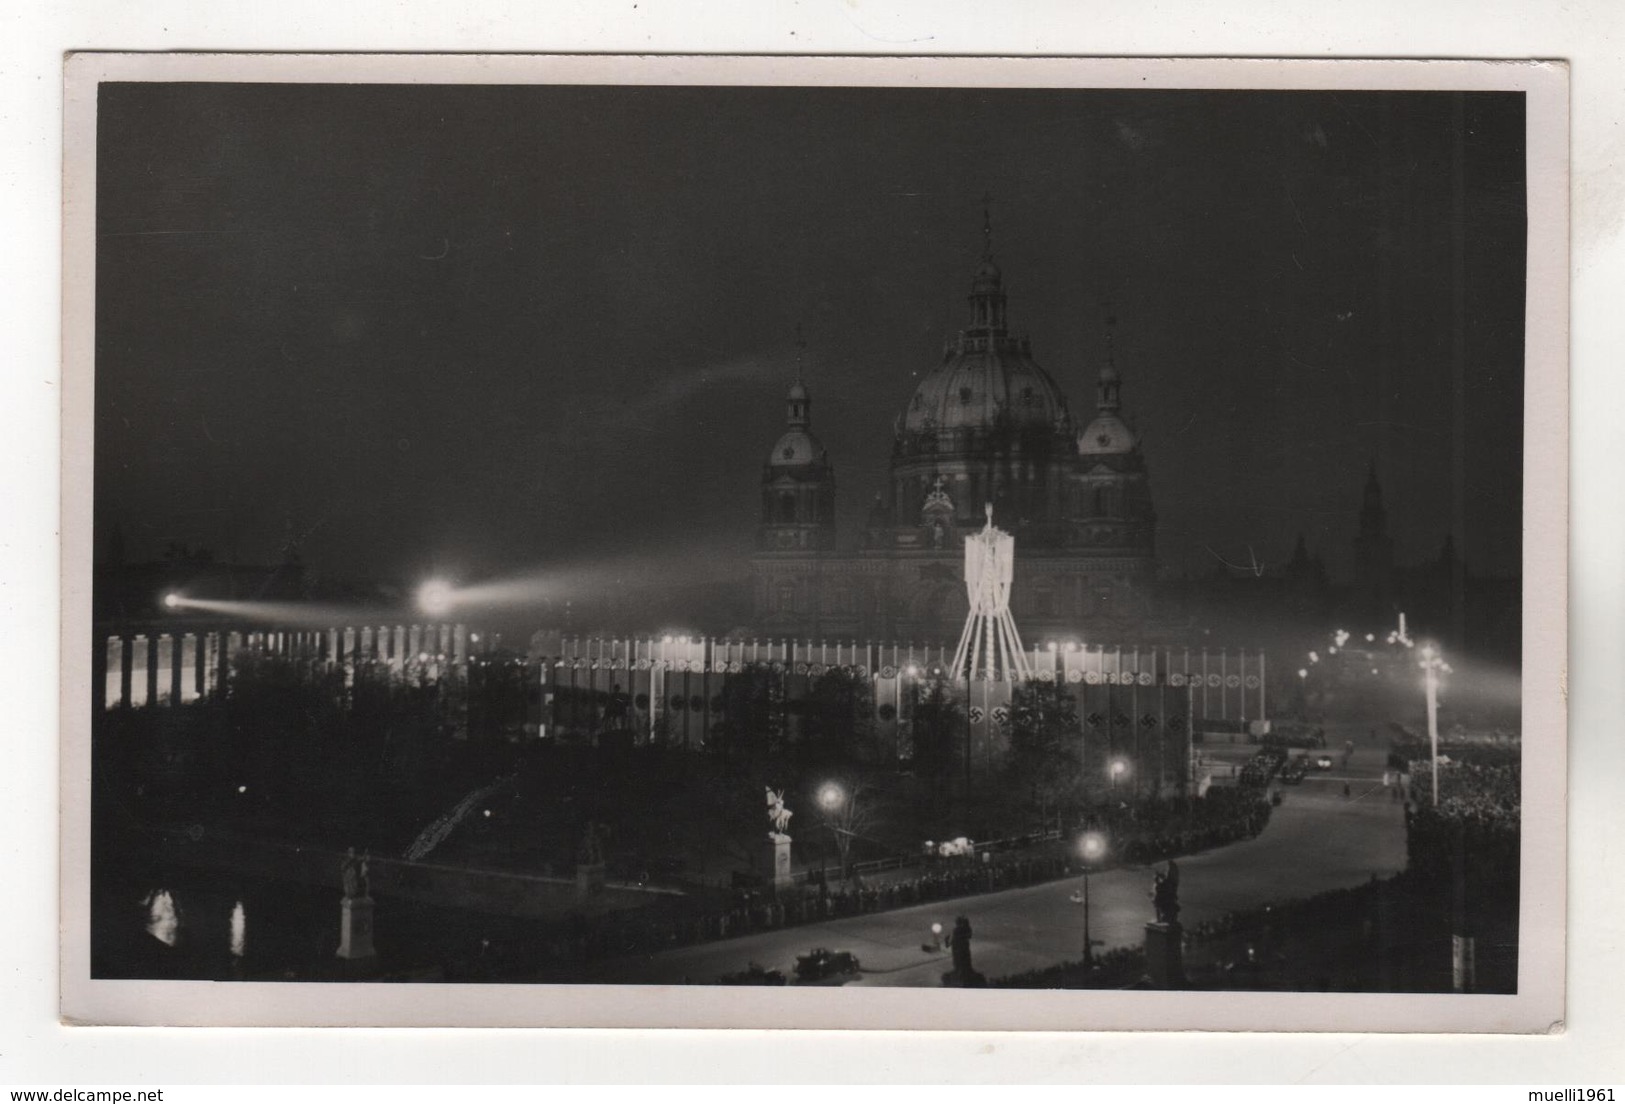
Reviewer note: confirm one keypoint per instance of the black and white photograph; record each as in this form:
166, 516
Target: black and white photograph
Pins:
656, 530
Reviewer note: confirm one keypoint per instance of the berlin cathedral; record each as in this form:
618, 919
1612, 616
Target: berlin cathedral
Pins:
987, 426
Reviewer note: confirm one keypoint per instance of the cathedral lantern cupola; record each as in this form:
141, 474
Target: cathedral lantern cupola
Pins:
1108, 434
987, 299
798, 482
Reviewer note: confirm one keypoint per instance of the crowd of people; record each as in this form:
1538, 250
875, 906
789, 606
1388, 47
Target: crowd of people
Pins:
1156, 830
1475, 827
1262, 767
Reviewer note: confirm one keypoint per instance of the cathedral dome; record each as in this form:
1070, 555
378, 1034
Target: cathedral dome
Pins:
795, 449
1107, 435
983, 384
987, 378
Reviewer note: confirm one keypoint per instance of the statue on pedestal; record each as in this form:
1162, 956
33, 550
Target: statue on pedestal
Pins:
357, 884
778, 816
355, 911
1165, 894
778, 840
959, 941
963, 975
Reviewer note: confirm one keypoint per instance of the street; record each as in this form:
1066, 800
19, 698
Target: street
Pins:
1317, 840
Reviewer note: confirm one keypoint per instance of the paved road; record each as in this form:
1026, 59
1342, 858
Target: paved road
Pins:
1317, 840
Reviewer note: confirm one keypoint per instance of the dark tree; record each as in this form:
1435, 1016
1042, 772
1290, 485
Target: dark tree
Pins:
1044, 769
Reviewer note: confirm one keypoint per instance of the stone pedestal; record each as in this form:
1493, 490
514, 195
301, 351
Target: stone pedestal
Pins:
590, 879
355, 929
1165, 955
777, 858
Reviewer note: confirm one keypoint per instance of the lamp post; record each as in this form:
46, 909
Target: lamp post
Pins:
1119, 767
1091, 846
1432, 664
834, 800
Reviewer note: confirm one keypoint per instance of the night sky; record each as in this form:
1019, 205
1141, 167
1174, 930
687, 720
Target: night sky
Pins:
480, 330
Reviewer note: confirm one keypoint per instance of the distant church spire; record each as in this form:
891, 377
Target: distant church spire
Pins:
987, 226
798, 404
1109, 387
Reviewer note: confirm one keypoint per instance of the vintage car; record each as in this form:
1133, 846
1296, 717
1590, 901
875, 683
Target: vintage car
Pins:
753, 974
824, 966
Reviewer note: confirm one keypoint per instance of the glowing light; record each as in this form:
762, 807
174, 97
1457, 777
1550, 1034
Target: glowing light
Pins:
1369, 637
665, 640
1092, 846
936, 929
172, 600
239, 930
1302, 673
1119, 768
488, 812
242, 789
913, 670
1332, 650
1374, 671
435, 597
1314, 657
1071, 645
1052, 645
474, 638
831, 796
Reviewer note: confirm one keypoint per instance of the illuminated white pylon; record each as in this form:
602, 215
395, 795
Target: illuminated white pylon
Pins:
990, 647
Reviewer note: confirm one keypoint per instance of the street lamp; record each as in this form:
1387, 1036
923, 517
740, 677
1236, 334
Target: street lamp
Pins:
833, 799
1119, 767
172, 600
1091, 846
1432, 664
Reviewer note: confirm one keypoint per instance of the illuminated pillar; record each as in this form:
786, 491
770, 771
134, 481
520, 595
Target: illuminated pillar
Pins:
414, 642
188, 668
140, 675
211, 663
366, 643
460, 646
165, 667
399, 657
444, 647
115, 673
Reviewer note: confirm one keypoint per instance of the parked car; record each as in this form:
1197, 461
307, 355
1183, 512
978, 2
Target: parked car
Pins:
823, 965
753, 974
1324, 762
